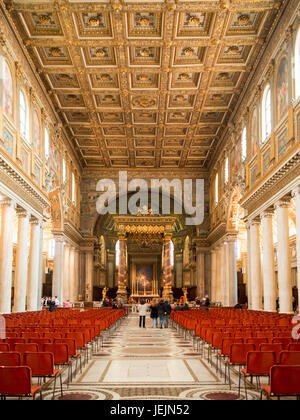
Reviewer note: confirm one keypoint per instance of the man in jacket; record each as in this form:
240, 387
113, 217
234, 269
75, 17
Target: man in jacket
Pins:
161, 312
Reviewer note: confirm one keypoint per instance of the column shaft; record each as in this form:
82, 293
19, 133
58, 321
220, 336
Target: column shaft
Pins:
58, 270
268, 266
283, 257
6, 255
21, 274
66, 278
255, 260
33, 267
232, 281
214, 275
297, 203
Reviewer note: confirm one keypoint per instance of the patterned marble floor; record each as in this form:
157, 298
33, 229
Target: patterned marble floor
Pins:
148, 364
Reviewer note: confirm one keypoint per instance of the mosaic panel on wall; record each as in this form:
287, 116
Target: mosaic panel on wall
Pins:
282, 89
282, 142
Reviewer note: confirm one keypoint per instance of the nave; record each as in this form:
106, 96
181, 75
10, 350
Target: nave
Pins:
150, 364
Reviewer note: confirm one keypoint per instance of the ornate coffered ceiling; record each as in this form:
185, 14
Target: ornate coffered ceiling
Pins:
145, 84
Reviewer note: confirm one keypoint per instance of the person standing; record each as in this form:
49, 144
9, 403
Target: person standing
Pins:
154, 313
161, 312
168, 310
143, 312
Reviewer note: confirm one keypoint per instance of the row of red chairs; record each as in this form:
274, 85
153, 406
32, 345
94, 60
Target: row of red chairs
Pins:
257, 343
37, 344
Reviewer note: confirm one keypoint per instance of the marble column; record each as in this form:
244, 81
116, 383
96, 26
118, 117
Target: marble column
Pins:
268, 266
33, 266
283, 257
223, 275
66, 277
218, 275
6, 254
213, 275
89, 265
76, 276
21, 273
231, 276
58, 269
249, 288
167, 268
296, 194
71, 274
200, 273
256, 278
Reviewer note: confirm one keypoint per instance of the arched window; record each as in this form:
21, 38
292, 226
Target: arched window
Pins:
47, 144
266, 114
23, 114
217, 189
226, 170
244, 144
8, 92
297, 66
117, 254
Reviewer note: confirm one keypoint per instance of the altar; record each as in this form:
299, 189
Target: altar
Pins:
146, 276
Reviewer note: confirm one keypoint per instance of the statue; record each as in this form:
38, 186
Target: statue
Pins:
104, 292
184, 289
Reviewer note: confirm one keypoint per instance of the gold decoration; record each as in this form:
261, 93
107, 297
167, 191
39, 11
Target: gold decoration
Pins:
145, 52
55, 52
144, 21
244, 19
94, 22
188, 52
45, 19
184, 76
233, 50
194, 21
100, 52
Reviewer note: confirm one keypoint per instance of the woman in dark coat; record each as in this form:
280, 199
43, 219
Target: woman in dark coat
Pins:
154, 313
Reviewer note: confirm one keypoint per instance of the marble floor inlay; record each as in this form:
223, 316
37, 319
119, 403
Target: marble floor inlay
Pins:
149, 364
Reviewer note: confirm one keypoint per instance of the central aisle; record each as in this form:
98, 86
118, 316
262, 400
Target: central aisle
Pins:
148, 363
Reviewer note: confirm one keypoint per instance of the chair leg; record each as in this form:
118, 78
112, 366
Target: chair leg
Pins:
54, 386
245, 383
61, 385
239, 381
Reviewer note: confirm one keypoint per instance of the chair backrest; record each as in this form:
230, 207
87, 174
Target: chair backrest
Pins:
78, 337
284, 341
71, 342
21, 348
41, 364
40, 342
257, 342
4, 347
60, 352
290, 358
285, 380
10, 359
227, 343
15, 381
238, 353
278, 348
294, 347
259, 362
12, 341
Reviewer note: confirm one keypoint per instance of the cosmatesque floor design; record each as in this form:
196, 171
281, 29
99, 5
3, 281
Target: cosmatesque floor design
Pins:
148, 364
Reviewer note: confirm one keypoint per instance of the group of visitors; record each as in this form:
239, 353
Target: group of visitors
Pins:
160, 312
113, 303
51, 303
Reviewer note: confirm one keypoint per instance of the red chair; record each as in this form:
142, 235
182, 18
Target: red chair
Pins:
22, 348
10, 359
4, 347
61, 356
16, 381
284, 382
277, 348
12, 341
72, 350
284, 341
238, 357
294, 347
258, 365
40, 342
257, 342
290, 358
225, 351
42, 366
